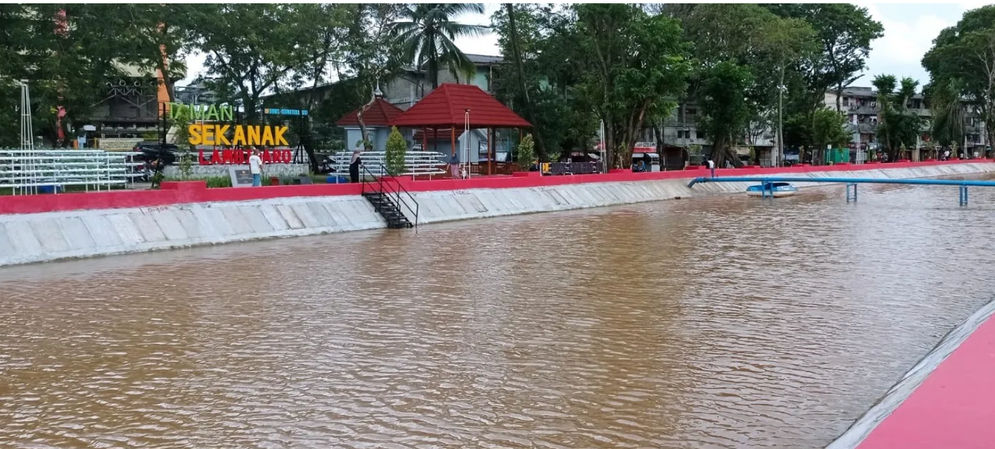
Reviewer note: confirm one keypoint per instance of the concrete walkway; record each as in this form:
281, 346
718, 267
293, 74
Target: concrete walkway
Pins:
953, 408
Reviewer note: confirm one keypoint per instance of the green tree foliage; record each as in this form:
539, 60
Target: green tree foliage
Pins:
371, 52
632, 66
828, 129
963, 57
540, 82
525, 155
723, 97
154, 37
770, 48
396, 148
947, 127
66, 54
844, 33
428, 33
255, 48
897, 126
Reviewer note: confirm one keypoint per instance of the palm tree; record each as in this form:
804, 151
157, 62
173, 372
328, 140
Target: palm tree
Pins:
427, 33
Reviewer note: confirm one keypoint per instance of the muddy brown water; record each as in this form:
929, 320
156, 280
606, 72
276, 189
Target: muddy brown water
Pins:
723, 322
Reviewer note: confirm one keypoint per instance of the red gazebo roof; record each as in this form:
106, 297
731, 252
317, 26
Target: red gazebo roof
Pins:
380, 113
446, 106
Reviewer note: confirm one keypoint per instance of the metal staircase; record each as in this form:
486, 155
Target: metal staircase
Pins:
388, 196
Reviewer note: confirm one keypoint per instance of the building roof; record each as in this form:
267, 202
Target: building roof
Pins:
446, 106
380, 113
484, 59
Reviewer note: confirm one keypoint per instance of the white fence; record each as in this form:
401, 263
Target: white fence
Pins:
27, 171
415, 162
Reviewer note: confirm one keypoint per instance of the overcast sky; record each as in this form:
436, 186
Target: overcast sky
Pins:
909, 30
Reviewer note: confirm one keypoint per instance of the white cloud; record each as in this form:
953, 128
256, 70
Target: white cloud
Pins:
909, 30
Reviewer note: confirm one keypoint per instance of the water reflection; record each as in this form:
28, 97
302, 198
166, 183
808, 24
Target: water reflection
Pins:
718, 322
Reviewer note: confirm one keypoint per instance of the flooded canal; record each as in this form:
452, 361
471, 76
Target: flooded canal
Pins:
723, 322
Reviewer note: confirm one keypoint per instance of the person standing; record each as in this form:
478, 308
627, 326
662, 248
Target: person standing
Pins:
256, 168
354, 165
711, 166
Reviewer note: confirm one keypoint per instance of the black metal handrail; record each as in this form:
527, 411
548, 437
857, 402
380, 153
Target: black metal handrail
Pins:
388, 185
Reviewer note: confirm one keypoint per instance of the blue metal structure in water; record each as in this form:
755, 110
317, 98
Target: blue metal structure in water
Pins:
851, 183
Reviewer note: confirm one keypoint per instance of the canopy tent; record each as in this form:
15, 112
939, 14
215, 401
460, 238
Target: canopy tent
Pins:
446, 107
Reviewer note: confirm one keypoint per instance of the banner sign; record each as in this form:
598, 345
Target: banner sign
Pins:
230, 141
277, 111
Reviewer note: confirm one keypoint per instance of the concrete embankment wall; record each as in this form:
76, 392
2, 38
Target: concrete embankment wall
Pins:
26, 238
38, 237
450, 205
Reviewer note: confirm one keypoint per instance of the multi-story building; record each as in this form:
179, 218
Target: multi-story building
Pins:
412, 85
862, 113
681, 139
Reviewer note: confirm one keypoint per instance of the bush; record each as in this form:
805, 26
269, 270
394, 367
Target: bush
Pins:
218, 181
396, 148
526, 153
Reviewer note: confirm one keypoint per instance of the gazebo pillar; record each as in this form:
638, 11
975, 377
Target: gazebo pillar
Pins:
452, 134
424, 139
490, 150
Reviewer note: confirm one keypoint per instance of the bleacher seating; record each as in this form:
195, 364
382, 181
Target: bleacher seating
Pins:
25, 171
416, 163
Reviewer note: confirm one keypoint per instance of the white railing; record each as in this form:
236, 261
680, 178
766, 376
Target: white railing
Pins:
415, 162
25, 171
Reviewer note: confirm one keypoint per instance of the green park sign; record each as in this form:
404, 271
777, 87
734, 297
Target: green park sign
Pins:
213, 112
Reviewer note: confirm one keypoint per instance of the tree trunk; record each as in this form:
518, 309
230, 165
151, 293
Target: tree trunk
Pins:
513, 31
839, 95
433, 71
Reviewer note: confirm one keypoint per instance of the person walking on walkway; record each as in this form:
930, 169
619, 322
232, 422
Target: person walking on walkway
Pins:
354, 165
711, 166
256, 168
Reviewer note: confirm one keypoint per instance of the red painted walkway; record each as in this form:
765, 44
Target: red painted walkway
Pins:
953, 408
195, 192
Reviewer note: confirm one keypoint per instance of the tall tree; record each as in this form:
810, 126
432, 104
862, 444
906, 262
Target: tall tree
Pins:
372, 54
783, 45
155, 37
253, 48
898, 127
944, 99
428, 32
634, 65
964, 55
513, 39
723, 97
66, 54
845, 33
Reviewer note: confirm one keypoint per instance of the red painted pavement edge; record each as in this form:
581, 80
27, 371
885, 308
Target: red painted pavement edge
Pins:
953, 408
196, 191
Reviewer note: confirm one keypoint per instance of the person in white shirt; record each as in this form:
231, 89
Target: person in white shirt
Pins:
711, 166
256, 168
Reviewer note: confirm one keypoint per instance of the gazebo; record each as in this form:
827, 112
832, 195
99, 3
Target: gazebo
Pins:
377, 120
448, 107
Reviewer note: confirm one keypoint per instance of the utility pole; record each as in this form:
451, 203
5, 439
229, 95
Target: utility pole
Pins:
780, 109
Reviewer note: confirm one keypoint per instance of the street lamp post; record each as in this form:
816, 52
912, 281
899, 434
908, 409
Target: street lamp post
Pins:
466, 140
